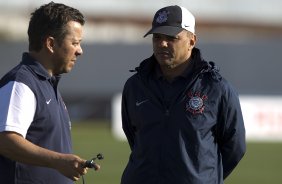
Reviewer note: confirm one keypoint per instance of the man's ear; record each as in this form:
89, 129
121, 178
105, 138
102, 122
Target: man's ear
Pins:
193, 40
50, 43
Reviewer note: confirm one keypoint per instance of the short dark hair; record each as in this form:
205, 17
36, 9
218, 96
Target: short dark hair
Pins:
51, 20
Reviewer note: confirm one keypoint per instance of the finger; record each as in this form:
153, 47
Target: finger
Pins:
84, 171
74, 178
97, 167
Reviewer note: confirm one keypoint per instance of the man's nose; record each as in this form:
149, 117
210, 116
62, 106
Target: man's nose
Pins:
79, 51
163, 43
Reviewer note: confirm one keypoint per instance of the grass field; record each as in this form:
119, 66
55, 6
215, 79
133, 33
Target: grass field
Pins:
262, 163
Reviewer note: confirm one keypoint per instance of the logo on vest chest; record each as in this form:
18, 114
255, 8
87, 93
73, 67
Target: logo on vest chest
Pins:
48, 101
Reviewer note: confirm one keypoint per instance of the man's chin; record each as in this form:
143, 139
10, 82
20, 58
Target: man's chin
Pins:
166, 63
68, 69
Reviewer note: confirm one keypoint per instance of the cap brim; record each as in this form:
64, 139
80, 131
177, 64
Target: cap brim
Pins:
166, 30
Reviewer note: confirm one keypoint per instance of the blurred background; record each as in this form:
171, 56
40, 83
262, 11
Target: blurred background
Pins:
243, 37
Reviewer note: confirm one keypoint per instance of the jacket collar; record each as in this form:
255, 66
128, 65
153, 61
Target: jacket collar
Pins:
198, 65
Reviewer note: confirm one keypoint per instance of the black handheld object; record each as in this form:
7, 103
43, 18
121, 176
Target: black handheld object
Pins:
91, 163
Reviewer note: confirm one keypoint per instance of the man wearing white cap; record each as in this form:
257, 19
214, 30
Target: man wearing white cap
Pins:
182, 119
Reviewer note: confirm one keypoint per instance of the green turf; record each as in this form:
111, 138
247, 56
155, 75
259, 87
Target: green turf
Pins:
262, 163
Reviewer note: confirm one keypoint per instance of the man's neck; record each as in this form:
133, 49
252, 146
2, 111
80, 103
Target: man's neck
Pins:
170, 73
43, 60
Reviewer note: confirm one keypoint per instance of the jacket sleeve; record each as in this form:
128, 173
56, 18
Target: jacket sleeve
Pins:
232, 142
126, 123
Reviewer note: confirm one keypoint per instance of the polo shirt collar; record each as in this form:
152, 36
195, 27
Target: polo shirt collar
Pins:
37, 67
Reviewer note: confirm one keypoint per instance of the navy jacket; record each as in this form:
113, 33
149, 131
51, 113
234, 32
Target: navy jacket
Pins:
198, 139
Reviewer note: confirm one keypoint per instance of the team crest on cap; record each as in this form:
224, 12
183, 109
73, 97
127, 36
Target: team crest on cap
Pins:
195, 103
162, 17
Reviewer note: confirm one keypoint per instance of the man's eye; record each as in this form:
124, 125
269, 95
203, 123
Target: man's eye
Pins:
156, 37
172, 38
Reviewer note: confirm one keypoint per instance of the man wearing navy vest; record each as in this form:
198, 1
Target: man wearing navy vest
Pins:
35, 138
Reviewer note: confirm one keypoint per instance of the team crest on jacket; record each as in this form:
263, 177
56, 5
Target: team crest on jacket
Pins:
196, 102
